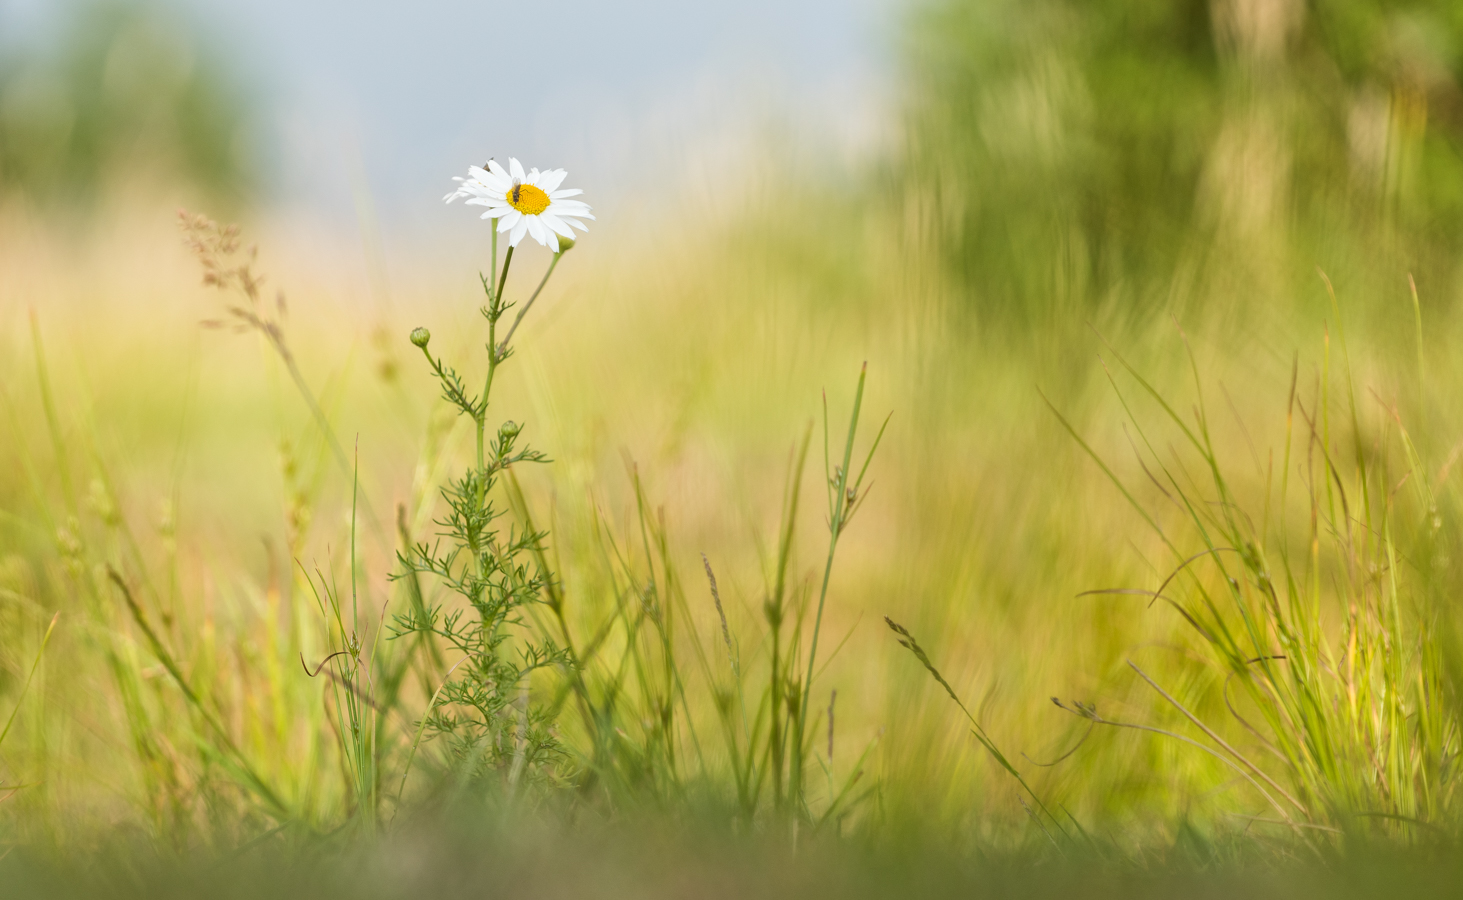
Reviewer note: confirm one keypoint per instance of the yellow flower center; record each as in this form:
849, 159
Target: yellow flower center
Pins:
527, 199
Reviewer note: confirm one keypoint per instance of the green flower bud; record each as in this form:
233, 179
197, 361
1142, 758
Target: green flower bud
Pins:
566, 244
509, 430
420, 336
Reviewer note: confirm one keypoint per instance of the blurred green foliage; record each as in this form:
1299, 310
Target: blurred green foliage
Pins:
1066, 153
127, 91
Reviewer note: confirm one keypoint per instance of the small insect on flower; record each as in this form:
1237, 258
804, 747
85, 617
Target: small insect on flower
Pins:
525, 202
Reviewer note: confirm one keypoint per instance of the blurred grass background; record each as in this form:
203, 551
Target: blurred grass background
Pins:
1155, 178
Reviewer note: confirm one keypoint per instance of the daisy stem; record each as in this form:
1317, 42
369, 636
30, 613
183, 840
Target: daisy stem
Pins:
498, 297
494, 357
493, 264
495, 308
523, 312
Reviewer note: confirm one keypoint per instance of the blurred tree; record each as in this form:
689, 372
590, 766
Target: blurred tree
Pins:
125, 93
1066, 152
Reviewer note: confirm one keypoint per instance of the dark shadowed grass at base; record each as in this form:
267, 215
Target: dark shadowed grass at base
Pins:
489, 855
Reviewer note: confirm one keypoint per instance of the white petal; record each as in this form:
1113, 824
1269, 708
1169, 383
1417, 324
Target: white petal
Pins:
552, 179
519, 231
515, 168
498, 170
577, 224
507, 222
555, 223
467, 188
539, 233
497, 212
572, 192
570, 213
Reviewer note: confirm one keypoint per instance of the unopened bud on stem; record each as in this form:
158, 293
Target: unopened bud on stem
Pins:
420, 337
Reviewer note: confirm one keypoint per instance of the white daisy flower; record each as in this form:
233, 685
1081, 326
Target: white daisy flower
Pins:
524, 203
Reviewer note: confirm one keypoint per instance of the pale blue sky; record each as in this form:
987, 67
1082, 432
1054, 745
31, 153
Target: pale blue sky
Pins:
397, 97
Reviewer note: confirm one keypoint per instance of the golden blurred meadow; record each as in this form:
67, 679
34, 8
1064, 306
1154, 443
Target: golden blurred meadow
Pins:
1187, 471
